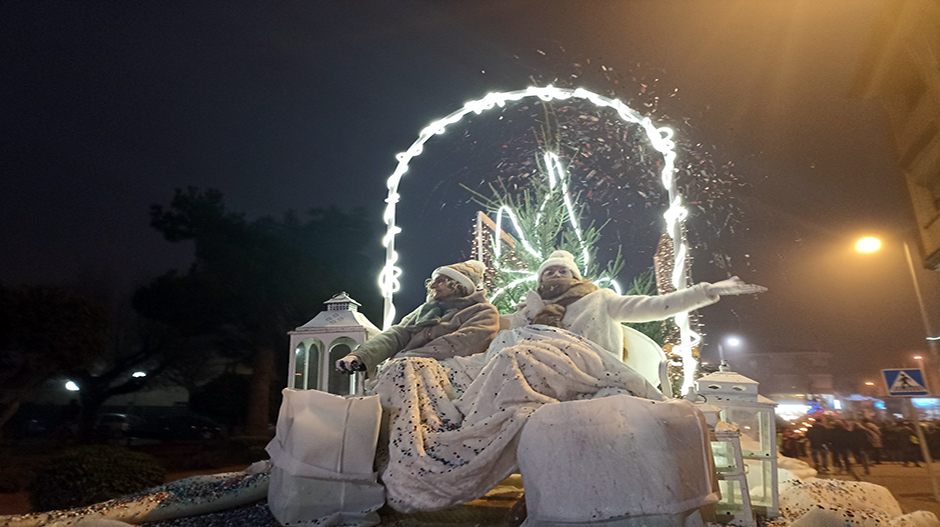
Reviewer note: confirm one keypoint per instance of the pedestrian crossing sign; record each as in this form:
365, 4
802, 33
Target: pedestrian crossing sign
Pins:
908, 382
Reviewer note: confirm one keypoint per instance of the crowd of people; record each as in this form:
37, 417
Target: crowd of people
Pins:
834, 444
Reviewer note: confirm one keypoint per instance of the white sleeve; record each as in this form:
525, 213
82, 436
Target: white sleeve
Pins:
641, 308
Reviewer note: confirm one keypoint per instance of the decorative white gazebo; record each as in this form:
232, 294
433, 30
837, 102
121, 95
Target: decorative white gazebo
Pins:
753, 414
329, 336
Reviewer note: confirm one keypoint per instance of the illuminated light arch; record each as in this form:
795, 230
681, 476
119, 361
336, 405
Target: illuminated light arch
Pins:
661, 140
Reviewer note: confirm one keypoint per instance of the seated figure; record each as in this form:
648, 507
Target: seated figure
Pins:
455, 320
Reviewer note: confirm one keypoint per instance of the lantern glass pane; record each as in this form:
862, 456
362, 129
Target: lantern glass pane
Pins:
340, 383
723, 452
731, 502
759, 481
306, 365
768, 432
755, 427
300, 367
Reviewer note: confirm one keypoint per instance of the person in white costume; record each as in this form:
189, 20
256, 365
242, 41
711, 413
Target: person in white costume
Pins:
453, 424
565, 300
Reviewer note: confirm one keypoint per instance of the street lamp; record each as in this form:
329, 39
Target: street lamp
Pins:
732, 341
867, 245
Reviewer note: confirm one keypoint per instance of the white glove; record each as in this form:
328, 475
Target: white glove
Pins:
350, 364
733, 286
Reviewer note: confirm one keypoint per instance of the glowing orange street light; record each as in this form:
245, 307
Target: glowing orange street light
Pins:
868, 245
869, 383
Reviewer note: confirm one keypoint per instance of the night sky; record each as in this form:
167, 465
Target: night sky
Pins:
106, 107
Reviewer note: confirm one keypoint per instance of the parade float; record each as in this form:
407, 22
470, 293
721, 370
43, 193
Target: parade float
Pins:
691, 453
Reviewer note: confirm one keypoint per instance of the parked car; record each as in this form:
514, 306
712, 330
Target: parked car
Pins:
186, 428
118, 426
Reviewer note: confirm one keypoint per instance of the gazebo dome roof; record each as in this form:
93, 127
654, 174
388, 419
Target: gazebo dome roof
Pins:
342, 313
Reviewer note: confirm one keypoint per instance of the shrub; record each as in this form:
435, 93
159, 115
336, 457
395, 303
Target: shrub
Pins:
15, 479
89, 474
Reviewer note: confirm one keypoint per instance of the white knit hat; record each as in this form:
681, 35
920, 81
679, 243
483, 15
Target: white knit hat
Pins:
469, 273
564, 259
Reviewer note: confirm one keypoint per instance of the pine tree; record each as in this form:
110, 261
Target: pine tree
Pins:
545, 219
546, 225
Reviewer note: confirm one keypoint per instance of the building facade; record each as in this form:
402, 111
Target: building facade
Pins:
901, 70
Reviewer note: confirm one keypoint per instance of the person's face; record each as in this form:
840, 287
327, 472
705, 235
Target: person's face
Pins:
555, 271
440, 288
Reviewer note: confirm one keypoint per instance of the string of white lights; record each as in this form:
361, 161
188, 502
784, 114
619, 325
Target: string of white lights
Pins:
497, 248
660, 139
554, 170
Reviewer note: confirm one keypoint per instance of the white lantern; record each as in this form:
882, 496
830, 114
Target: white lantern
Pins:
329, 336
741, 405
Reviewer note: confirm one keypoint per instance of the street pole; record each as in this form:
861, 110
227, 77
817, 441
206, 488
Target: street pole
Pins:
934, 351
925, 450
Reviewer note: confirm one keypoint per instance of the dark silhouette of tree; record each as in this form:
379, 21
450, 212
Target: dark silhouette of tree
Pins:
134, 344
44, 331
252, 281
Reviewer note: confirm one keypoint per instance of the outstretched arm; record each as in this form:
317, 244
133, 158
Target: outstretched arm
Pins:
378, 348
659, 307
374, 351
733, 286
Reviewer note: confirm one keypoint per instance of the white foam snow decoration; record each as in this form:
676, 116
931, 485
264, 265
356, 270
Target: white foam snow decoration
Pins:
837, 503
791, 470
855, 495
89, 523
915, 519
186, 497
822, 517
